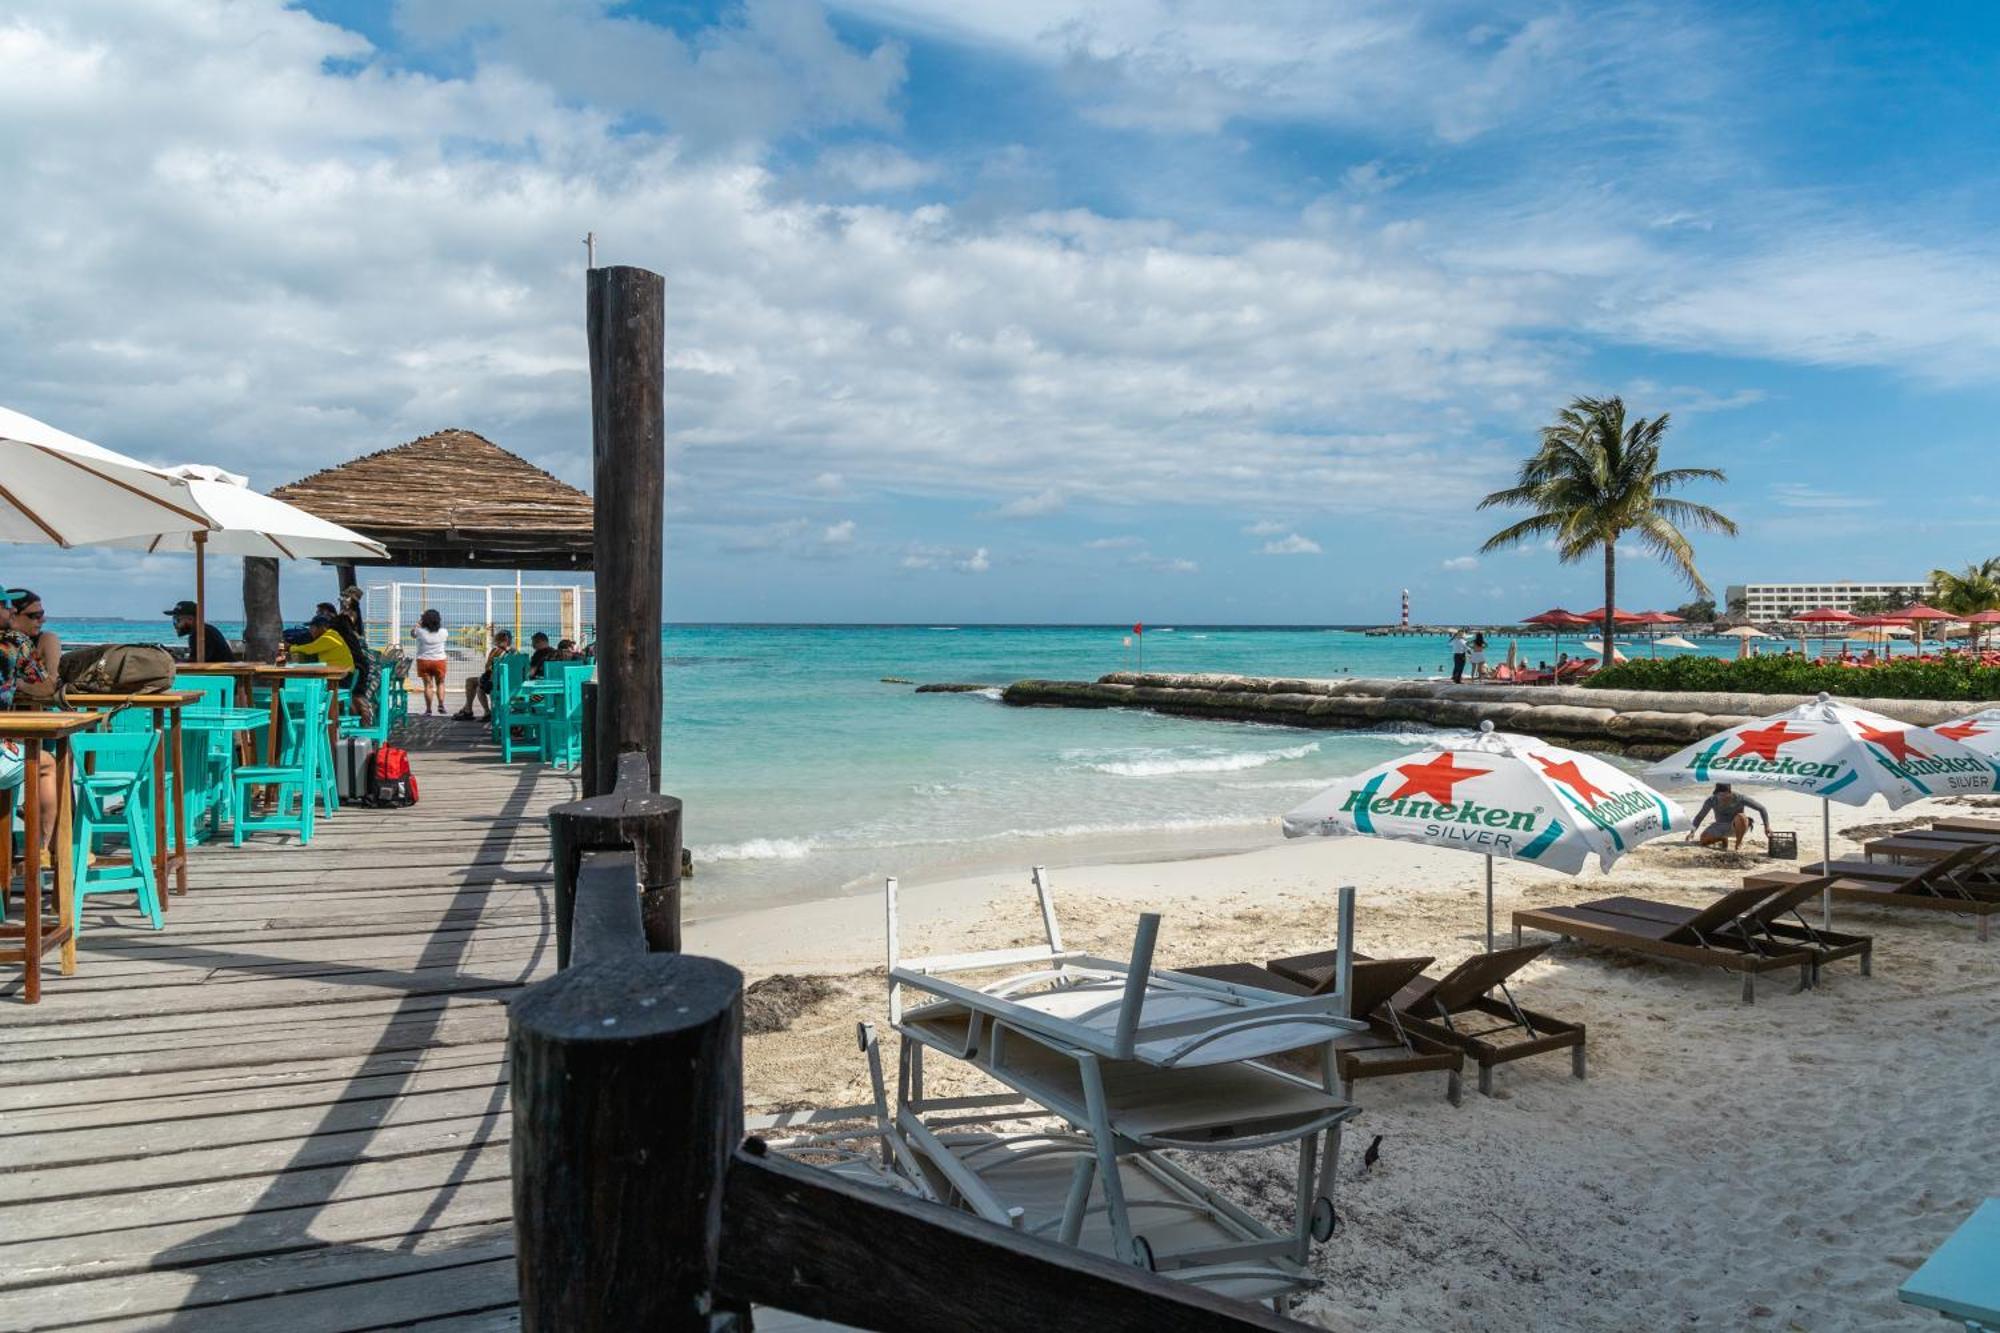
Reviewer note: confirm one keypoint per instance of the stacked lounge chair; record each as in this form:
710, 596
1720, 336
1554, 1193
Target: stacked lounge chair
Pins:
1133, 1060
1742, 931
1964, 882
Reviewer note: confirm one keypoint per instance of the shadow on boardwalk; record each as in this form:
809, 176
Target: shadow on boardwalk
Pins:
289, 1108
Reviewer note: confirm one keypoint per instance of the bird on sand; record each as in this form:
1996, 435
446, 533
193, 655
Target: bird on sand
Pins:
1373, 1155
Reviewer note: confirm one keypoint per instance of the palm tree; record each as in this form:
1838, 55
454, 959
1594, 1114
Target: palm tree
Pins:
1974, 589
1596, 479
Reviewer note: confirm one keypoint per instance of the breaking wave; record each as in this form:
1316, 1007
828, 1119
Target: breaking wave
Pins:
1165, 764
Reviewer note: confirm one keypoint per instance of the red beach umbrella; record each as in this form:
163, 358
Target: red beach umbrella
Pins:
1825, 615
1558, 619
1917, 615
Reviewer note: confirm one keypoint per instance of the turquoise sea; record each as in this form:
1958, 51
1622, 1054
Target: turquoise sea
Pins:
804, 775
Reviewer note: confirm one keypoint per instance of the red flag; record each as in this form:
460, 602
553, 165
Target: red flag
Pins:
1138, 629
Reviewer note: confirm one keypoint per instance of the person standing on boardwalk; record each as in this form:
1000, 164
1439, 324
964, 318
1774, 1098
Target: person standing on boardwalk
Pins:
1477, 657
1458, 652
433, 641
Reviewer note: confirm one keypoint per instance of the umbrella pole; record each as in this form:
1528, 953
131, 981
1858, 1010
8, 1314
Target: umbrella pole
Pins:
200, 597
1489, 903
1826, 862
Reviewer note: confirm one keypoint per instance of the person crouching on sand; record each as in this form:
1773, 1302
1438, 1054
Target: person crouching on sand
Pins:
1732, 817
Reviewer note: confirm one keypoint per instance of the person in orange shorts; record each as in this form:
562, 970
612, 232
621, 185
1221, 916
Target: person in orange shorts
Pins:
431, 637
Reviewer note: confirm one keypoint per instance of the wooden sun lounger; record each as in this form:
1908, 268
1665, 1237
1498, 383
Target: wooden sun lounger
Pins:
1955, 883
1966, 824
1768, 920
1387, 1048
1429, 1006
1923, 845
1711, 938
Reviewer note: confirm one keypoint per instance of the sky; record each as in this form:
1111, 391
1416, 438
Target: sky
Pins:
1164, 310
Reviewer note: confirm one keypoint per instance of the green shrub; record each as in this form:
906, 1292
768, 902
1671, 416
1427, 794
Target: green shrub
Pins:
1949, 678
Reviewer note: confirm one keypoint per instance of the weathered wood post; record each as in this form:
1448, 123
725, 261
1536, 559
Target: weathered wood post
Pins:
632, 817
628, 1106
627, 329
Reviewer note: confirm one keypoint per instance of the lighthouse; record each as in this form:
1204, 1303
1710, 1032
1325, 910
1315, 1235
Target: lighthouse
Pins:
1406, 608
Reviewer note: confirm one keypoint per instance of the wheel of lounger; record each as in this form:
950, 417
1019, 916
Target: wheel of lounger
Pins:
1142, 1254
1324, 1219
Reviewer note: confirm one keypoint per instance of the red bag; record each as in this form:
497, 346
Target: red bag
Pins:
391, 784
391, 763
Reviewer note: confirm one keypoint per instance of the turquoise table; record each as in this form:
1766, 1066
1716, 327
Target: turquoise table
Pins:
1961, 1280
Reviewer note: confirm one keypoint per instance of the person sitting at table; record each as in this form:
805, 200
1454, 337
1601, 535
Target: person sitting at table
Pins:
566, 651
22, 663
479, 688
539, 653
325, 647
214, 643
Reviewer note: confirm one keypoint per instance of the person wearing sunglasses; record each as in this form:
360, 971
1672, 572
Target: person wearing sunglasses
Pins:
25, 607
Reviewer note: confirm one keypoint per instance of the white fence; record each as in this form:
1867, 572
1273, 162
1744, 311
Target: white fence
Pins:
472, 611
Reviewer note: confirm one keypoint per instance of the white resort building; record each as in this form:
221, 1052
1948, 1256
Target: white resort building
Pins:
1777, 601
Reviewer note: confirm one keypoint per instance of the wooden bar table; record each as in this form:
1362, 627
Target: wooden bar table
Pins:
34, 730
166, 708
276, 676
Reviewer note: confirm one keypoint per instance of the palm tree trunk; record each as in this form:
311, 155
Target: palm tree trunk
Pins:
1610, 599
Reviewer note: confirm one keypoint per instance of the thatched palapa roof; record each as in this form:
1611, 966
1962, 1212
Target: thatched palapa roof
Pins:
454, 499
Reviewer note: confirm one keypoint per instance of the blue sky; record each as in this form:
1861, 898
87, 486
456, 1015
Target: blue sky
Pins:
1157, 309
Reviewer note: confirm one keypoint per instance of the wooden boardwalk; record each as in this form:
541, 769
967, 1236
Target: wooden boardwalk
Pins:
288, 1109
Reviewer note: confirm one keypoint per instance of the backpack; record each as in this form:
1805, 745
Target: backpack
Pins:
391, 784
118, 668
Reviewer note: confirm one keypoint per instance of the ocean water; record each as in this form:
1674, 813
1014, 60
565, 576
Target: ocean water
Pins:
804, 775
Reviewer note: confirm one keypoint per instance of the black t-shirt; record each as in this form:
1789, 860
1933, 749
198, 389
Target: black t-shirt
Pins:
218, 644
536, 661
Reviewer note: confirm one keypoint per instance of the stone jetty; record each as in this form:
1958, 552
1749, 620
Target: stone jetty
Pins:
1644, 723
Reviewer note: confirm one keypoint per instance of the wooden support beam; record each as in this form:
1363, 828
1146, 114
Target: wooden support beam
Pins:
262, 621
626, 324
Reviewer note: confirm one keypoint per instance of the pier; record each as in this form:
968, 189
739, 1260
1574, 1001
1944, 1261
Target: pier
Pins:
289, 1108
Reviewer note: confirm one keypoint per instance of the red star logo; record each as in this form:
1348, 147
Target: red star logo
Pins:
1434, 779
1764, 741
1896, 742
1959, 731
1567, 772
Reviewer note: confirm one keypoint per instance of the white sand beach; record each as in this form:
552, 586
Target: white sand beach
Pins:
1781, 1165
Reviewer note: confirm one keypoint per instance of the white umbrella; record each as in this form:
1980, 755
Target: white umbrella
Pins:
64, 491
1617, 654
1503, 795
248, 523
1836, 752
1676, 641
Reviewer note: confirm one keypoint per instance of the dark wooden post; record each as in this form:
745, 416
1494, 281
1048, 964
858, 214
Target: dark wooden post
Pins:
627, 329
262, 621
628, 1105
587, 767
630, 817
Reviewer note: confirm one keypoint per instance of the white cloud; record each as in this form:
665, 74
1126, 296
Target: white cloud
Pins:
828, 483
1291, 544
839, 534
1124, 543
1042, 502
1266, 528
923, 556
976, 563
1798, 495
1461, 562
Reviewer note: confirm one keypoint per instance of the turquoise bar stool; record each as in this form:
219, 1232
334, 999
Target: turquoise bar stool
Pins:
296, 777
509, 713
208, 758
306, 726
562, 720
114, 799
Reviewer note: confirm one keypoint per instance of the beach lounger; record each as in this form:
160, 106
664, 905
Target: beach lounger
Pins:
1958, 883
1965, 824
1442, 1010
1923, 845
1046, 1183
1777, 921
1387, 1048
856, 1143
1137, 1058
1713, 937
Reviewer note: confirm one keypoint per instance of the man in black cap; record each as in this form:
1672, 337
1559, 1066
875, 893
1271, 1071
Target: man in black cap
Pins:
217, 646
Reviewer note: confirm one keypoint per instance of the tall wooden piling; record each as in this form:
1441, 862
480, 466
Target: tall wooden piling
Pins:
627, 331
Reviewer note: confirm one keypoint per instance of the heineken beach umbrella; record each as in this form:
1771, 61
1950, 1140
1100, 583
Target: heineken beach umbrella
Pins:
1978, 732
1836, 752
1502, 795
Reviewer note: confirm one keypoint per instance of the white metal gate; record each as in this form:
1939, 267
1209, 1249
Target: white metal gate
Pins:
472, 611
